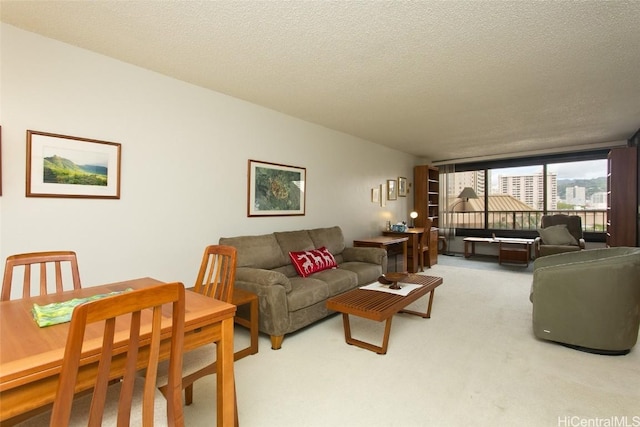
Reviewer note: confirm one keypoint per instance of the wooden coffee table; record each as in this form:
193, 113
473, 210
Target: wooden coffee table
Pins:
379, 306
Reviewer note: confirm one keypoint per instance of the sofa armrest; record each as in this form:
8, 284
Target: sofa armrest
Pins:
271, 287
536, 247
263, 277
370, 255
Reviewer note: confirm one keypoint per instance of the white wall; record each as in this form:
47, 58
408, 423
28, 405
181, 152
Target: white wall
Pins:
184, 164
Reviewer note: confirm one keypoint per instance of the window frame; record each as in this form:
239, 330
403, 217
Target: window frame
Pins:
541, 160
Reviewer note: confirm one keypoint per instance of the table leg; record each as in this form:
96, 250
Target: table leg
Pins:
427, 314
225, 384
362, 344
404, 256
466, 249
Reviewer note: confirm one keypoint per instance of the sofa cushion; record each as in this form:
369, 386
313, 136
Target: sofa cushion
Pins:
309, 262
257, 251
338, 280
294, 241
331, 238
557, 235
306, 292
366, 272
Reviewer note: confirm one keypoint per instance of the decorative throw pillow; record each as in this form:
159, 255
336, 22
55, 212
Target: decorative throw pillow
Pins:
309, 262
557, 235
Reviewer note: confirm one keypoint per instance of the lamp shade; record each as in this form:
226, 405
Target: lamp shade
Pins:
467, 193
413, 214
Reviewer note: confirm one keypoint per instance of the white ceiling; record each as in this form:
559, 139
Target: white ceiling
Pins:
437, 79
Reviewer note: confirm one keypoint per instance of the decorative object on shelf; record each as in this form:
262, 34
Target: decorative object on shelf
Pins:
275, 189
401, 227
392, 189
413, 216
402, 186
375, 195
69, 166
464, 196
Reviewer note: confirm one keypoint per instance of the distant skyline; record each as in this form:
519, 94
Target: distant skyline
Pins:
575, 170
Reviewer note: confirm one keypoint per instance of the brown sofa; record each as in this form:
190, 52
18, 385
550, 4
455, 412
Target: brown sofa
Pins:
287, 301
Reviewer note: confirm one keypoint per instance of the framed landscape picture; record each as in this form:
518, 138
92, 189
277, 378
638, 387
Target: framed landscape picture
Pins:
69, 166
275, 189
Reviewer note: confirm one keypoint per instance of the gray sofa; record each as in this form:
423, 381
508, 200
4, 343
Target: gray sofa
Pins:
589, 299
287, 301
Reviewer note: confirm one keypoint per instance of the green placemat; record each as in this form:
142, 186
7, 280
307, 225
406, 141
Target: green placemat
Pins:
60, 312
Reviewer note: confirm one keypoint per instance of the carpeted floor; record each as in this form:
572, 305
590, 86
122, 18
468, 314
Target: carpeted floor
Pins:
474, 363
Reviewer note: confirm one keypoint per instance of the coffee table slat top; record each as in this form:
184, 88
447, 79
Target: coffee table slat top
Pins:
377, 305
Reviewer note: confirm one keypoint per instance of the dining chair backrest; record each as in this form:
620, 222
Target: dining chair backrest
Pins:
131, 307
61, 264
217, 272
424, 243
424, 238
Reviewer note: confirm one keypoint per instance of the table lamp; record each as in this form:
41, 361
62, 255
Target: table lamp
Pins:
413, 216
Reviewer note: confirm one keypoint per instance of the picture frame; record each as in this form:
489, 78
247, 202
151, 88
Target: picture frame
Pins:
402, 186
71, 166
392, 189
375, 195
275, 189
383, 199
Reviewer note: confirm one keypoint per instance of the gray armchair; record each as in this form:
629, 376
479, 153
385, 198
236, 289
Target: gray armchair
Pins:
559, 233
588, 300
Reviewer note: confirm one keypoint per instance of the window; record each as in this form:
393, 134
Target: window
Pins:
514, 194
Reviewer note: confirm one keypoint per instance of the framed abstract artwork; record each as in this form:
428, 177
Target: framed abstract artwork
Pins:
69, 166
275, 189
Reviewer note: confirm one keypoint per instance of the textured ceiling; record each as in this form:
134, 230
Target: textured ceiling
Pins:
437, 79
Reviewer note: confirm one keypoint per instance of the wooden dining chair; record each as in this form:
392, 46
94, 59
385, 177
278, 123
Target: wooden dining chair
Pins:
42, 264
423, 244
133, 400
215, 279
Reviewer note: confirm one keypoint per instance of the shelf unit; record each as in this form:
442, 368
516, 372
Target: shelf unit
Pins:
622, 193
426, 194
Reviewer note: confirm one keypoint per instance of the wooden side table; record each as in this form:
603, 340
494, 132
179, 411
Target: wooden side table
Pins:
514, 252
242, 297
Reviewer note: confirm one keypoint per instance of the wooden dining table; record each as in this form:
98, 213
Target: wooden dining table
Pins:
31, 357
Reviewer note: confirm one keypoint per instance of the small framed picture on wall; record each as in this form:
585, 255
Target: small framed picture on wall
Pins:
402, 186
392, 189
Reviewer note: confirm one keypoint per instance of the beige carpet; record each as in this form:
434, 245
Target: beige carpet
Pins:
474, 363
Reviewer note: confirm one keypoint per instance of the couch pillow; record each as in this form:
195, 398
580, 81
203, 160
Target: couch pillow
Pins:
331, 238
312, 261
257, 251
557, 235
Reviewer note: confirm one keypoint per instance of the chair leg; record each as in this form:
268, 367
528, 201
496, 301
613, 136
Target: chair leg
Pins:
188, 394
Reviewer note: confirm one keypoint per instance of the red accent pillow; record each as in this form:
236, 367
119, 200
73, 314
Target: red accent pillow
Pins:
309, 262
